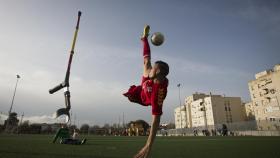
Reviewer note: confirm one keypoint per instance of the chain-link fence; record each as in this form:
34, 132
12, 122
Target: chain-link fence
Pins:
246, 128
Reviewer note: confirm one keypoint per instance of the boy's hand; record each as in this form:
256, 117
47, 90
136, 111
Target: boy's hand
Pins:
144, 152
146, 31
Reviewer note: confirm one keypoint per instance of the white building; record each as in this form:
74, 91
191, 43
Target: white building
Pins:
265, 94
180, 117
216, 109
206, 111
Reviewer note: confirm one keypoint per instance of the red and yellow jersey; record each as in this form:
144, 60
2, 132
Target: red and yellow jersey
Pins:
154, 94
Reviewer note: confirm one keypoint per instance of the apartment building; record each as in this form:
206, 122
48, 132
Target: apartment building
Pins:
206, 111
180, 117
216, 109
265, 94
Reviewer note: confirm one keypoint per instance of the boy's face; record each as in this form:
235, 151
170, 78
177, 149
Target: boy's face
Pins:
154, 71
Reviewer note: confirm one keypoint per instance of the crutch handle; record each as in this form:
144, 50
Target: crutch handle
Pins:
56, 88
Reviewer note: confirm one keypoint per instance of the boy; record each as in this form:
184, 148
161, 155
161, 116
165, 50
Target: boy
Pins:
64, 136
152, 91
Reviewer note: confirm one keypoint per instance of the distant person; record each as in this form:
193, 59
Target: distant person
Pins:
152, 91
75, 134
195, 132
220, 131
224, 130
64, 137
213, 132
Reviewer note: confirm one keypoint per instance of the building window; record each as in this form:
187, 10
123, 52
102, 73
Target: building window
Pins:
256, 103
268, 81
266, 90
252, 88
229, 109
268, 99
225, 108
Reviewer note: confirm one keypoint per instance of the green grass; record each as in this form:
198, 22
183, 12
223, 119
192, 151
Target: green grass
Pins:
40, 146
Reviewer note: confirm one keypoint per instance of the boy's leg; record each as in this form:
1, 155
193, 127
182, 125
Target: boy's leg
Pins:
146, 52
134, 92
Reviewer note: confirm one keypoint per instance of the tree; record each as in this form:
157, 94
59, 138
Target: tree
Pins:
24, 127
144, 124
140, 125
35, 128
106, 126
170, 126
84, 128
95, 127
11, 123
115, 126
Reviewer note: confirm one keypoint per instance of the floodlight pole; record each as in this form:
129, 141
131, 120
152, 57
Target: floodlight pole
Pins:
179, 85
18, 77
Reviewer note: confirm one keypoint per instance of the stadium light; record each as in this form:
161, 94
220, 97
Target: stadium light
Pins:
179, 85
18, 77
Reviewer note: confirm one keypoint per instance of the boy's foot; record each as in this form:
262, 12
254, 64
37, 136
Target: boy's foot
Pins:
146, 31
83, 141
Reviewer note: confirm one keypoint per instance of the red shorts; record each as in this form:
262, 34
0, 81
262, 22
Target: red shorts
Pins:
148, 93
134, 93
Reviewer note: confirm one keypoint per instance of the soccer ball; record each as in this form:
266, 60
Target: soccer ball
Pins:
157, 39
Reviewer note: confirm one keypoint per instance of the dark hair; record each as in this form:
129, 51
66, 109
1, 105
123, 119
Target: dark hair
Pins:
163, 66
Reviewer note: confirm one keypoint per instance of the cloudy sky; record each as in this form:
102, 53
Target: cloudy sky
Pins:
215, 46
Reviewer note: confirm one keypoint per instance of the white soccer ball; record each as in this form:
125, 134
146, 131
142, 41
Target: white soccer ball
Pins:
157, 38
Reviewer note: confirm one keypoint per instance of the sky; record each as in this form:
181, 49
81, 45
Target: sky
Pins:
211, 46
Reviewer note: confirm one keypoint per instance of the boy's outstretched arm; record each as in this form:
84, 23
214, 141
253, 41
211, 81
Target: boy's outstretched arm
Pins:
146, 150
154, 128
146, 51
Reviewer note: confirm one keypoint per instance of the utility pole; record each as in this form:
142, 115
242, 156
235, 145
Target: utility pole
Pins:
123, 121
74, 120
119, 122
21, 118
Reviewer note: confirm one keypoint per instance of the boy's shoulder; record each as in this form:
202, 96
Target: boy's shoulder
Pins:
164, 82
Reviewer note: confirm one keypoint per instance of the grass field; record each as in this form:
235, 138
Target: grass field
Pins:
40, 146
